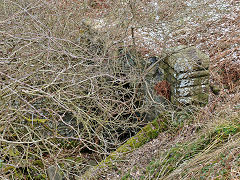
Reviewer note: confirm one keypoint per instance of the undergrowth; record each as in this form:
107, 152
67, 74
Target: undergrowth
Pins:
210, 152
71, 92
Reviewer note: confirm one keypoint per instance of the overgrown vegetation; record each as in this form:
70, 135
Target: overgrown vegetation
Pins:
181, 155
72, 76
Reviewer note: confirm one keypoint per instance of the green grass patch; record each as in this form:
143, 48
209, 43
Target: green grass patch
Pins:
181, 153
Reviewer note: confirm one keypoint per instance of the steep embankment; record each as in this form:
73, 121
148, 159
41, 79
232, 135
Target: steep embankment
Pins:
192, 146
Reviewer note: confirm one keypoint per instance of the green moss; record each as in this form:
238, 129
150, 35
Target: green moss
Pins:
75, 159
223, 132
227, 130
153, 166
38, 163
127, 176
220, 165
149, 132
200, 98
11, 151
40, 177
8, 168
183, 152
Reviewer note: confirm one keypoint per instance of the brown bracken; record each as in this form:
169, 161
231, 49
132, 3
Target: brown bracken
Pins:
163, 89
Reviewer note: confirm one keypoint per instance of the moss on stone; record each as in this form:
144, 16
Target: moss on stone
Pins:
149, 132
186, 70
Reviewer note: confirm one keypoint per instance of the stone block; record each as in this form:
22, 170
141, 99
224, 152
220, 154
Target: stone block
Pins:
186, 70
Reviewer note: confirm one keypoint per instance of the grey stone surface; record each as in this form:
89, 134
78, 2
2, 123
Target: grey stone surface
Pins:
54, 173
186, 59
186, 70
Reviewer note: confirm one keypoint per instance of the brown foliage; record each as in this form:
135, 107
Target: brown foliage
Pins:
99, 4
163, 89
230, 74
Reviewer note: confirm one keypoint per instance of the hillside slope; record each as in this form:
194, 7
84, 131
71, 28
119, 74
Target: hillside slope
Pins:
203, 145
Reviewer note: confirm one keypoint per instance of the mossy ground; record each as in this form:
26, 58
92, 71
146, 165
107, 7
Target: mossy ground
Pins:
208, 153
190, 152
149, 132
180, 154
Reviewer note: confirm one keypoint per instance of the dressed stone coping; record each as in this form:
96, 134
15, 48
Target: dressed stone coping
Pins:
186, 59
186, 69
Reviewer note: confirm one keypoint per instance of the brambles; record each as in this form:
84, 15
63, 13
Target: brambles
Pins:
63, 91
66, 98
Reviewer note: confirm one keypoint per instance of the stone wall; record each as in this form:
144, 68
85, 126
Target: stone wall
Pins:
182, 77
